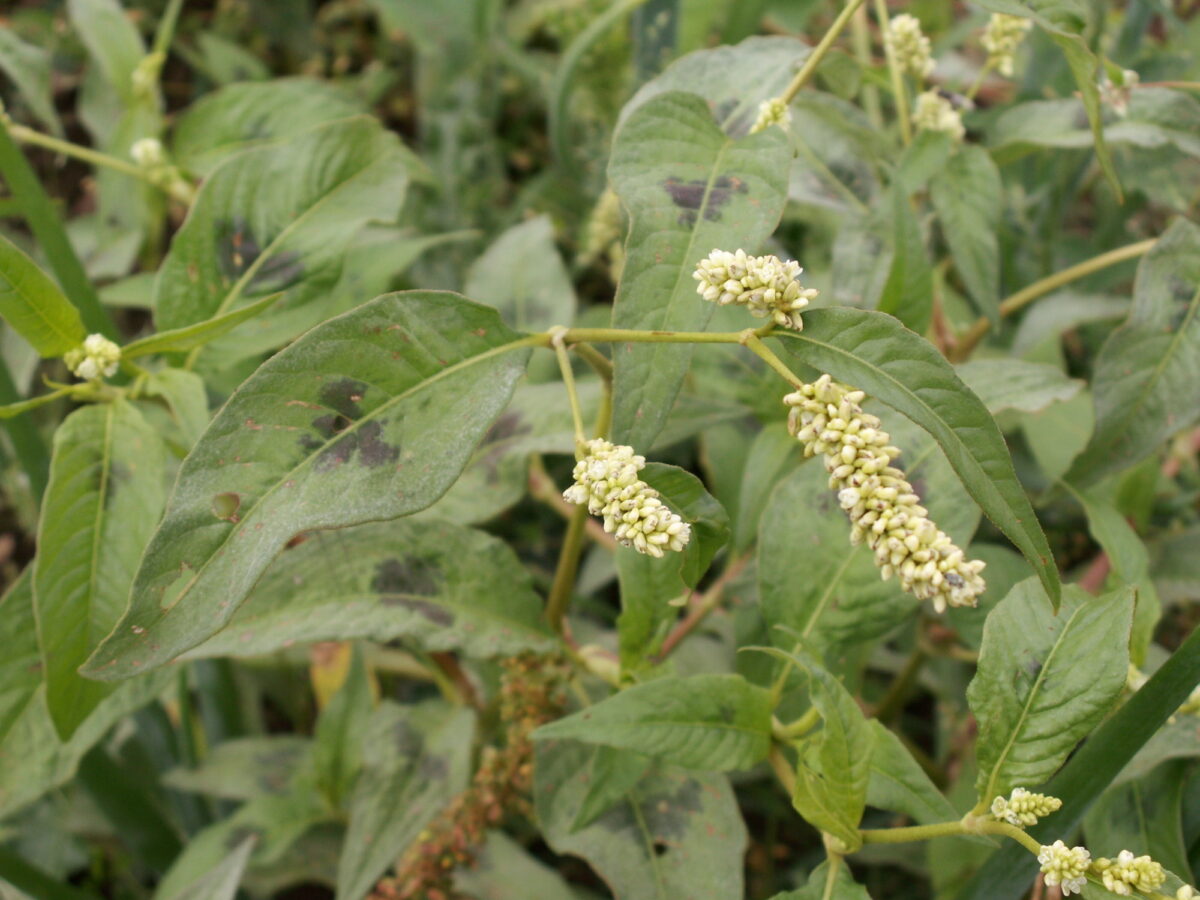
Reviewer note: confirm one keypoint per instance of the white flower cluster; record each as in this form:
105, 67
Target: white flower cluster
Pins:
148, 153
606, 479
766, 285
1023, 808
1117, 93
1128, 873
1065, 866
97, 357
883, 509
909, 45
772, 112
935, 113
1001, 38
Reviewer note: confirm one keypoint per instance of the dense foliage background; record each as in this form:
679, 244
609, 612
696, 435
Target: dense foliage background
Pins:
358, 537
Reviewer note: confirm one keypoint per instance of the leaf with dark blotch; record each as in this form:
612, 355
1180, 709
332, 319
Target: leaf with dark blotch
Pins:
715, 722
1146, 374
688, 188
279, 219
370, 416
875, 353
415, 759
675, 834
244, 768
1044, 681
105, 495
388, 580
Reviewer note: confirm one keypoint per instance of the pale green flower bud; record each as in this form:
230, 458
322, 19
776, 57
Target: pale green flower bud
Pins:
1065, 866
1128, 873
96, 358
766, 285
772, 112
884, 511
909, 45
148, 153
935, 113
1187, 892
1023, 808
606, 480
1001, 38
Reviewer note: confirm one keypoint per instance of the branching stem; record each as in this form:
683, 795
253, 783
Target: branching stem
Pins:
818, 53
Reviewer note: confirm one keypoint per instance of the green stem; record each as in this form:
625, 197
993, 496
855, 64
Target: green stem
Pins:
620, 335
978, 82
1027, 295
568, 376
763, 352
798, 728
943, 829
898, 88
598, 361
568, 565
819, 51
166, 27
782, 768
84, 154
860, 37
48, 231
27, 442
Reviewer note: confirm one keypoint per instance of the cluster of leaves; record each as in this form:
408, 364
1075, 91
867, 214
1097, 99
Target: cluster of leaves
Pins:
267, 583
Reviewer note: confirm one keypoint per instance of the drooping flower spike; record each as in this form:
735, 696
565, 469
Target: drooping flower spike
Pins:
606, 479
884, 510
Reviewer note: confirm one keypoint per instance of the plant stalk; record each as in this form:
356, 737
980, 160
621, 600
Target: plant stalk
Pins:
898, 86
818, 54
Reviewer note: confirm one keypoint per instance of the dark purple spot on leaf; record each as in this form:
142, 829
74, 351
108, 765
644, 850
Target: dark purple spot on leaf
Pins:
696, 195
411, 575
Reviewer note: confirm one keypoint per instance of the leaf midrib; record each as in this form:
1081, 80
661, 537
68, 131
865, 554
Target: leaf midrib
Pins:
994, 775
353, 427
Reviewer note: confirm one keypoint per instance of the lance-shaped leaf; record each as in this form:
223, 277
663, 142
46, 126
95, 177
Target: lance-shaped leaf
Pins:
34, 306
1006, 383
30, 67
387, 580
835, 763
967, 196
898, 783
103, 500
370, 416
826, 883
279, 219
1147, 371
715, 722
1143, 814
689, 188
674, 834
1064, 23
1044, 681
219, 883
193, 336
414, 760
877, 354
20, 666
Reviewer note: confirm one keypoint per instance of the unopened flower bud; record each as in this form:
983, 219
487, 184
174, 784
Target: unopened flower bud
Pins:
766, 285
772, 112
148, 153
1065, 866
1023, 808
1128, 873
96, 358
935, 113
909, 45
1001, 38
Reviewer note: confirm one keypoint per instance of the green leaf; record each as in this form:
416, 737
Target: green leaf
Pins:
1147, 371
388, 580
279, 219
112, 41
29, 67
192, 336
369, 416
968, 198
1064, 21
185, 399
1176, 740
1044, 681
825, 883
34, 306
1058, 434
811, 580
245, 768
714, 722
688, 188
676, 834
105, 495
734, 80
873, 352
21, 664
1016, 384
522, 274
1144, 816
613, 773
339, 737
248, 115
900, 785
1092, 768
415, 759
648, 585
1053, 315
221, 883
507, 871
908, 291
1176, 565
835, 763
773, 456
